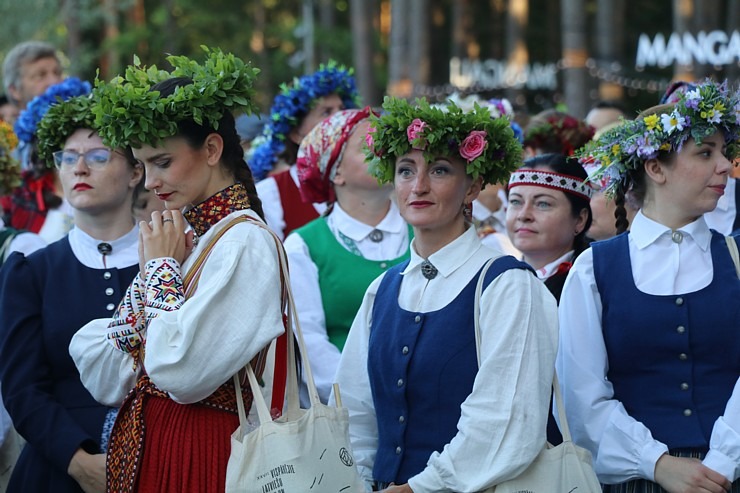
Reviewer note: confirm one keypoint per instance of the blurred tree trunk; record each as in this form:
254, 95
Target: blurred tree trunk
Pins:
462, 28
399, 83
327, 22
71, 11
419, 44
575, 77
554, 42
265, 85
733, 14
683, 11
170, 41
610, 44
361, 13
517, 55
110, 62
498, 25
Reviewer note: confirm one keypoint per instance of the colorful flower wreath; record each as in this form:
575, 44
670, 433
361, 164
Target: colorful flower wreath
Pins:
293, 103
698, 114
28, 120
486, 144
61, 121
128, 113
555, 131
10, 170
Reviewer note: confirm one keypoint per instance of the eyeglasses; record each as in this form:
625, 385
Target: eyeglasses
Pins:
94, 158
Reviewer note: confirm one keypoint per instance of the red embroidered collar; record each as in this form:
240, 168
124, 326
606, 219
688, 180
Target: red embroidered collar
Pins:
218, 206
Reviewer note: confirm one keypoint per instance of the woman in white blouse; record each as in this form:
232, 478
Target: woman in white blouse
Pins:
423, 417
649, 355
333, 259
196, 314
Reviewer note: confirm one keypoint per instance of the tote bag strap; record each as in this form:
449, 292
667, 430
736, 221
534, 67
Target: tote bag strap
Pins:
564, 428
293, 327
732, 246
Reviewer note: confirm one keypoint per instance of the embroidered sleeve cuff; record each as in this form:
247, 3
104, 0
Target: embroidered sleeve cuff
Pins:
127, 325
164, 286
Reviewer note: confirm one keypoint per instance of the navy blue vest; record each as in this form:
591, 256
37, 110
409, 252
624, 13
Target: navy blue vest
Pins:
673, 360
421, 368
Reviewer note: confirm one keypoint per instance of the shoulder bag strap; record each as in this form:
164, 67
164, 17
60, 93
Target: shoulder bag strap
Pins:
732, 246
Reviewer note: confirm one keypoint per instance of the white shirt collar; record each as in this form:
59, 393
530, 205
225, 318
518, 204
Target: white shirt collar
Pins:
644, 231
548, 270
450, 257
358, 231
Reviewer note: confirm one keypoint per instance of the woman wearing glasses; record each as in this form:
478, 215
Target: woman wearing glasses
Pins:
47, 296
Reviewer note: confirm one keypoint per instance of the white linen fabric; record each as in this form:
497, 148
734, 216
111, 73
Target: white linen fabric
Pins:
518, 346
624, 448
124, 252
269, 194
192, 350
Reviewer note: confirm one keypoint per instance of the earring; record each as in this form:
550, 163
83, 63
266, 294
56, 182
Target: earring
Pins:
468, 212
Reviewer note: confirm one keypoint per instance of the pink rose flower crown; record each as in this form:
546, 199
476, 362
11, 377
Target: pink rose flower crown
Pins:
486, 143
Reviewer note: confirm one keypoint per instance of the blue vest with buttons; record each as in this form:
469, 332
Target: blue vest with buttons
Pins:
421, 368
673, 360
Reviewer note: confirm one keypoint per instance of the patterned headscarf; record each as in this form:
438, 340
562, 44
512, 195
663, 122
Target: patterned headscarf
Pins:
321, 152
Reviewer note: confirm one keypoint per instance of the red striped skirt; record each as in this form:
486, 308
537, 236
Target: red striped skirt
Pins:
186, 448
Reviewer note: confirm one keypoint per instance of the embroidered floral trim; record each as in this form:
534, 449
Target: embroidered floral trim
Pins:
549, 179
212, 210
164, 286
127, 328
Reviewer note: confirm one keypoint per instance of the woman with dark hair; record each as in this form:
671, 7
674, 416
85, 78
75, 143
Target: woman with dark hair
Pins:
548, 215
649, 353
47, 296
206, 302
425, 416
298, 108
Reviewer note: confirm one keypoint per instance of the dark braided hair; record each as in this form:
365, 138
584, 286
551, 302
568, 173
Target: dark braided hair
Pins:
233, 154
620, 213
563, 165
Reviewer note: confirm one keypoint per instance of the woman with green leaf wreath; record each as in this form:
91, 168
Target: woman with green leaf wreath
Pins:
297, 109
424, 417
206, 302
45, 297
649, 352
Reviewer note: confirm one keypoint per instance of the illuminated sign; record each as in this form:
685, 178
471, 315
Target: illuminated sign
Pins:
714, 48
496, 74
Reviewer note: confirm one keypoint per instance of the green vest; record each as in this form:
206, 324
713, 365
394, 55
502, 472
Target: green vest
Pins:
343, 277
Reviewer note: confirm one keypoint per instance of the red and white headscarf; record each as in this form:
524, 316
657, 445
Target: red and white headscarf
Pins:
321, 152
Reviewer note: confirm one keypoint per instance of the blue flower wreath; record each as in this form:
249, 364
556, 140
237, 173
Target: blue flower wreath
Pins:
28, 120
294, 102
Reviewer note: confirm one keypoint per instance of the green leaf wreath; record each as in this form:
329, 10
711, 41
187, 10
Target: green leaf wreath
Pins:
128, 113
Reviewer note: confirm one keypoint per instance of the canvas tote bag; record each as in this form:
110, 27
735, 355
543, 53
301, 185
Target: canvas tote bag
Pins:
565, 468
304, 450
